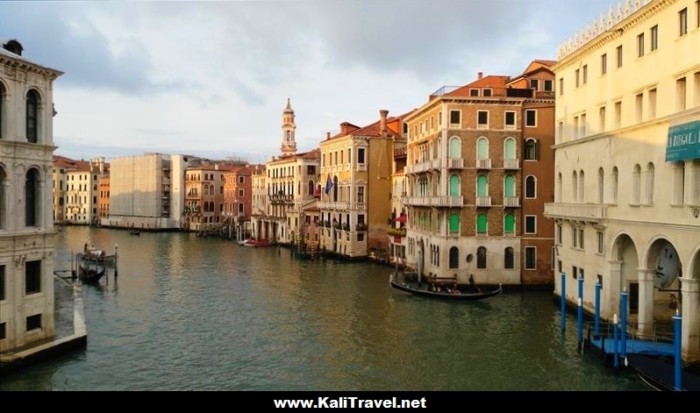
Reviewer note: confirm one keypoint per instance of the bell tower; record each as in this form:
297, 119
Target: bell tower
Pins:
289, 144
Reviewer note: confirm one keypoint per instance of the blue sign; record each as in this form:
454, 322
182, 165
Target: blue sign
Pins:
683, 142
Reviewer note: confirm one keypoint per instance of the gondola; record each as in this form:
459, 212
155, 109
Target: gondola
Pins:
91, 274
658, 374
408, 282
97, 256
135, 232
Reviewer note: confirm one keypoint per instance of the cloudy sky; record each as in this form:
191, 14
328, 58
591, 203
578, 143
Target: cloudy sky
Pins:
212, 78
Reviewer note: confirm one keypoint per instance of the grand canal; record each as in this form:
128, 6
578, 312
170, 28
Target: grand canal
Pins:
206, 314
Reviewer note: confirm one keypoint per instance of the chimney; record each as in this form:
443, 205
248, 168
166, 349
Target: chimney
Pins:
479, 75
382, 121
344, 128
328, 135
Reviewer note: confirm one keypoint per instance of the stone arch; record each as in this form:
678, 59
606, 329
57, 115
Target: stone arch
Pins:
694, 267
623, 272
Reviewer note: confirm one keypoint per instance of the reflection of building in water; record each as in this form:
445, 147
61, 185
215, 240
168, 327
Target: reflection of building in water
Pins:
627, 164
26, 216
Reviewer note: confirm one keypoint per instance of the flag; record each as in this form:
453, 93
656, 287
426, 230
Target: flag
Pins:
329, 184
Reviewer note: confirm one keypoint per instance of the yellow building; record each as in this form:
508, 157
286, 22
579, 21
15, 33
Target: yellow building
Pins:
627, 165
356, 175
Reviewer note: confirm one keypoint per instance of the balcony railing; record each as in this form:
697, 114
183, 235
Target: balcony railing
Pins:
419, 167
483, 201
511, 164
361, 227
396, 232
579, 212
417, 200
483, 164
511, 201
456, 163
447, 201
333, 205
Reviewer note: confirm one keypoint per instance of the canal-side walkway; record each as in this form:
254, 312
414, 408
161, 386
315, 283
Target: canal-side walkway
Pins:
71, 330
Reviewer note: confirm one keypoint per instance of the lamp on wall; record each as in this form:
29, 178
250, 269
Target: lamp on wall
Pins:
696, 212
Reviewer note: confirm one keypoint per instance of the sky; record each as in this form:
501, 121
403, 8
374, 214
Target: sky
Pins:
212, 78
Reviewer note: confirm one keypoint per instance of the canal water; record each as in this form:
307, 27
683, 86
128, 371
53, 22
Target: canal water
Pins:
206, 314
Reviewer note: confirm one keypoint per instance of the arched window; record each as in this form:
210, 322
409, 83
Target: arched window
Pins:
482, 148
481, 224
636, 184
531, 149
2, 108
530, 187
31, 198
32, 116
509, 223
311, 188
455, 148
509, 149
454, 222
613, 185
481, 257
508, 258
454, 185
581, 186
3, 201
482, 186
454, 257
601, 185
559, 188
649, 184
335, 189
574, 185
509, 189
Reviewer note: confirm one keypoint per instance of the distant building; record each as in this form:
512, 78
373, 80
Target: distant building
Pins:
291, 188
356, 181
238, 195
103, 197
82, 192
478, 172
26, 218
627, 165
147, 191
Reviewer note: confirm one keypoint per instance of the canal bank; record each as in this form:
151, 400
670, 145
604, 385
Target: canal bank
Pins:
188, 313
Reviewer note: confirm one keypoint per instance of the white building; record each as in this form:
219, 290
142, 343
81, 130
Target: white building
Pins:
291, 187
26, 223
627, 164
147, 191
81, 201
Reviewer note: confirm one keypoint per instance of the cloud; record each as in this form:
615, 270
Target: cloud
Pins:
70, 42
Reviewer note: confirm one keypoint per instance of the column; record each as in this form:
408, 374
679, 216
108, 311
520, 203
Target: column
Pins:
611, 290
690, 293
646, 302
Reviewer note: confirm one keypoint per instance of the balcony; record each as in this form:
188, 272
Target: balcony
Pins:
396, 232
576, 212
483, 164
483, 201
511, 164
360, 206
339, 206
417, 200
511, 201
447, 201
361, 227
455, 163
436, 164
419, 167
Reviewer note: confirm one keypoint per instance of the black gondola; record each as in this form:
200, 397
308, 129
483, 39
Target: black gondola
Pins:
658, 374
135, 232
408, 282
91, 274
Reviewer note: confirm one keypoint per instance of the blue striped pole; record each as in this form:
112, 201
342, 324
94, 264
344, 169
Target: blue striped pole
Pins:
563, 301
623, 328
598, 287
677, 351
579, 323
616, 360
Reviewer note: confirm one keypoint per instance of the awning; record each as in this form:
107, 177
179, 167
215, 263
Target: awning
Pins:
683, 142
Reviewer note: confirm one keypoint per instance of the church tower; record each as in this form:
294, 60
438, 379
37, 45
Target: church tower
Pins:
289, 144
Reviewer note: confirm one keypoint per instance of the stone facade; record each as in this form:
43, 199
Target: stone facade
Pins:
26, 215
626, 214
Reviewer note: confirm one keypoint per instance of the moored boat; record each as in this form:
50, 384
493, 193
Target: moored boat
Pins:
409, 282
257, 243
97, 256
91, 274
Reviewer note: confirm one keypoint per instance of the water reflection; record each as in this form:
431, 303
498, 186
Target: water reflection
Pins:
206, 314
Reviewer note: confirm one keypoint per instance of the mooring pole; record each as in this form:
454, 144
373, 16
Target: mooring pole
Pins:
677, 327
579, 320
563, 301
623, 329
616, 358
596, 328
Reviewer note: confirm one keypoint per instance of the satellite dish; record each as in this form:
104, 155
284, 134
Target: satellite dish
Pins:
667, 265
